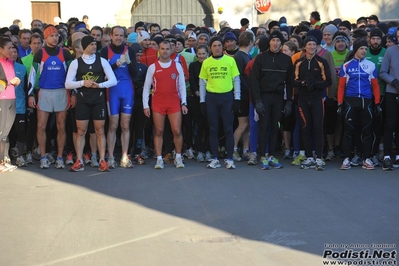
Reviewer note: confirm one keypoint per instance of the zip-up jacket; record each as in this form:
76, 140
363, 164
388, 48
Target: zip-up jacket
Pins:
271, 73
358, 78
315, 70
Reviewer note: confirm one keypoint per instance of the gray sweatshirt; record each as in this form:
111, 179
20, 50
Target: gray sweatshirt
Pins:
390, 67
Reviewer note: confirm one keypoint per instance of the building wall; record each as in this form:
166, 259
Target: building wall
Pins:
118, 11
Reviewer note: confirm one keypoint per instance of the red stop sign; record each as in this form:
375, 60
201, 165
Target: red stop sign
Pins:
263, 5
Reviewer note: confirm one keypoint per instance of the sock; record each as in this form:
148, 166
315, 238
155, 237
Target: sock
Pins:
387, 157
43, 157
397, 157
235, 149
246, 150
159, 157
178, 155
302, 152
60, 158
381, 146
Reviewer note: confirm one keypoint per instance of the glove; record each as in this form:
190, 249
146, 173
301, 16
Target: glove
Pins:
309, 84
395, 84
236, 107
287, 109
203, 108
127, 57
397, 98
377, 110
339, 110
122, 59
260, 109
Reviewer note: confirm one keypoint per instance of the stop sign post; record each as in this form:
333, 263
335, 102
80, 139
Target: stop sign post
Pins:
263, 5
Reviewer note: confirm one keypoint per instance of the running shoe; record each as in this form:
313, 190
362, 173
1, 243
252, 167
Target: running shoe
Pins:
214, 164
229, 164
77, 167
287, 154
387, 164
50, 158
93, 160
330, 156
368, 164
208, 156
69, 159
308, 163
252, 159
319, 165
44, 163
356, 161
179, 162
29, 158
264, 163
159, 164
200, 157
86, 158
59, 163
346, 164
274, 162
111, 162
137, 159
103, 166
126, 163
189, 154
236, 156
168, 158
375, 160
395, 164
298, 159
20, 162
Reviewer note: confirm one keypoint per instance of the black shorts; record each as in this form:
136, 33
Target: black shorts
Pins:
85, 111
244, 108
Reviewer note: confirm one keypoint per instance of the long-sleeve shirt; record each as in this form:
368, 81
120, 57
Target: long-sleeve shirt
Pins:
71, 83
358, 78
390, 68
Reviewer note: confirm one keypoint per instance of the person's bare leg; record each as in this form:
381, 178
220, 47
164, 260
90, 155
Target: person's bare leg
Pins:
159, 125
175, 124
125, 133
42, 118
111, 136
100, 137
80, 138
61, 134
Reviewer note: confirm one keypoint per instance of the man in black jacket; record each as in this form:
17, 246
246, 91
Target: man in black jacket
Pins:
270, 77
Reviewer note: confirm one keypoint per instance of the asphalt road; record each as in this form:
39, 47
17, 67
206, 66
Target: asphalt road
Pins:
193, 216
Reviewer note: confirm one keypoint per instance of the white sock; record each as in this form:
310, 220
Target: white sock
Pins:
178, 155
387, 157
302, 152
159, 157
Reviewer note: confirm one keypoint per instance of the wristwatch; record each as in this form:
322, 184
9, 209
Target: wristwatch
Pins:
184, 104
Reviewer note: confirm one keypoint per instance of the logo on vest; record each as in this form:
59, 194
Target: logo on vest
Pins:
53, 66
173, 76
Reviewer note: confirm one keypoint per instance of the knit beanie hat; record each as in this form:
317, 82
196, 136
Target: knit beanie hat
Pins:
139, 24
341, 36
158, 39
272, 24
142, 35
317, 34
282, 21
49, 30
176, 31
170, 38
4, 30
244, 21
330, 28
376, 32
346, 24
214, 39
180, 40
80, 25
359, 43
276, 34
359, 33
229, 36
132, 37
86, 41
192, 35
202, 34
264, 44
310, 38
285, 29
